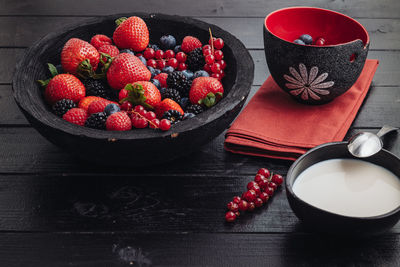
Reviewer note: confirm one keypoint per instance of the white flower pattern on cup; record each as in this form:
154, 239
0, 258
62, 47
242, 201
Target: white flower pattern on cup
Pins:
307, 84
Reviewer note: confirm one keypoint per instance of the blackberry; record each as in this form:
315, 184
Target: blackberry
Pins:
173, 116
62, 106
177, 80
98, 88
195, 109
195, 60
172, 94
97, 121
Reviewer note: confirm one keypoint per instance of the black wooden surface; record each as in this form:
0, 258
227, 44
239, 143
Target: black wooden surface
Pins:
58, 211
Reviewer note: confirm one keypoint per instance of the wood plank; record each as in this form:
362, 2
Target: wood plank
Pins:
23, 31
258, 8
388, 73
86, 249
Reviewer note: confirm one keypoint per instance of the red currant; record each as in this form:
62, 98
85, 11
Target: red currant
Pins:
264, 171
207, 52
320, 42
230, 216
206, 47
210, 59
150, 115
165, 124
169, 54
277, 178
181, 57
139, 122
243, 205
213, 39
269, 190
258, 178
155, 123
232, 206
182, 66
219, 55
173, 62
161, 63
273, 185
222, 63
139, 109
222, 73
215, 67
126, 106
207, 68
263, 183
138, 55
264, 197
258, 202
159, 54
251, 206
216, 76
218, 43
251, 184
152, 63
236, 199
237, 214
149, 53
250, 195
122, 94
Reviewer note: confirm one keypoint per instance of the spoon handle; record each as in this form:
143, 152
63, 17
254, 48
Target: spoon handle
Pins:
386, 129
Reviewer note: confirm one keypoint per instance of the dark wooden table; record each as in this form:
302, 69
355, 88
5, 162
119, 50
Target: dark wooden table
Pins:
57, 211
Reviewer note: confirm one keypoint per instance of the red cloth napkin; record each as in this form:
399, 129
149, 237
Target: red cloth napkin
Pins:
276, 126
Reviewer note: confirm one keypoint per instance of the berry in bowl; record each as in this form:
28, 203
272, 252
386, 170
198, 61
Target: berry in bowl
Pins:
314, 54
150, 89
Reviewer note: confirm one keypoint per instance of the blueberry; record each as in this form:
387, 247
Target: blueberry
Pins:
306, 38
127, 51
154, 46
298, 41
162, 90
59, 69
167, 42
177, 49
184, 102
157, 71
188, 116
156, 83
152, 71
168, 69
143, 60
200, 73
111, 108
189, 74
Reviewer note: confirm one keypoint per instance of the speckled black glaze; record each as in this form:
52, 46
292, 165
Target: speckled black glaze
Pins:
319, 220
137, 147
333, 60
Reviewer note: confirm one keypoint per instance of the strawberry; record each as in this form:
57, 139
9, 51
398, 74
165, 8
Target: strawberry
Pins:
98, 106
111, 50
78, 57
165, 105
118, 121
162, 78
86, 101
64, 86
131, 33
99, 40
190, 43
76, 116
206, 91
143, 93
126, 68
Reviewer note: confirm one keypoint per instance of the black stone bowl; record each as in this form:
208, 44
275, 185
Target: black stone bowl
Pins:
314, 74
319, 220
136, 147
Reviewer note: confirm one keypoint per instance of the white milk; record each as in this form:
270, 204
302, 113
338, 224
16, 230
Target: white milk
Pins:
349, 187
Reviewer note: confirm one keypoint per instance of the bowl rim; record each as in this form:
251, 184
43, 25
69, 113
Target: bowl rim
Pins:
322, 9
244, 80
289, 188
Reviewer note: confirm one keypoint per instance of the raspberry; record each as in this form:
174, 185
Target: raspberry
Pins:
162, 78
97, 106
76, 116
99, 40
190, 43
118, 121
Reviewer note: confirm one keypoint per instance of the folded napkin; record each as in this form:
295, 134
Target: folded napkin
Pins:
276, 126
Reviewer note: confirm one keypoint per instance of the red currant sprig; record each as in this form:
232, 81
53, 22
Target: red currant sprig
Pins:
258, 193
142, 118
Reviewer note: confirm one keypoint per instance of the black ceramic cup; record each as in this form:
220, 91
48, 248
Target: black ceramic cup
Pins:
324, 221
314, 74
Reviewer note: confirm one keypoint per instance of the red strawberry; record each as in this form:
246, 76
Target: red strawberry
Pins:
162, 77
190, 43
206, 91
64, 86
86, 101
131, 33
119, 121
111, 50
78, 55
99, 40
76, 116
126, 68
143, 93
165, 105
98, 106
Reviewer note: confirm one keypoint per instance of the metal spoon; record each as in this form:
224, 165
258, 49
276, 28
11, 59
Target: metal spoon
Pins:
366, 144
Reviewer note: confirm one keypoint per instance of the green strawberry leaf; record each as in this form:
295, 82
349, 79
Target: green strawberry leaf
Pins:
120, 20
136, 95
209, 101
52, 69
85, 69
44, 83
